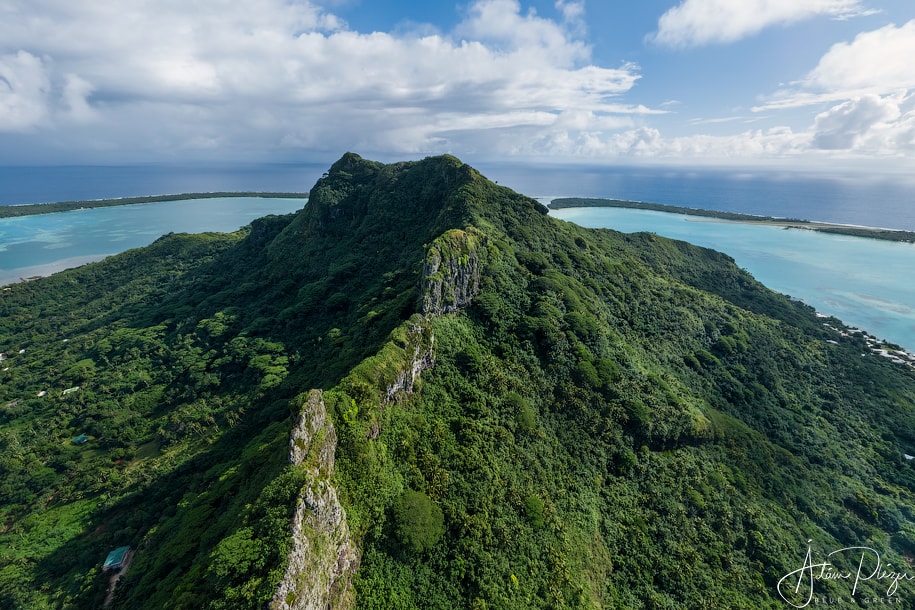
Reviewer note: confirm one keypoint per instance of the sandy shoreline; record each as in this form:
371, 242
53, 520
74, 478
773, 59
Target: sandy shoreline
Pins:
808, 224
14, 276
792, 224
31, 209
831, 228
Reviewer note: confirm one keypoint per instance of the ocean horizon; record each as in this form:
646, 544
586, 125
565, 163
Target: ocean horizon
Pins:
884, 201
28, 184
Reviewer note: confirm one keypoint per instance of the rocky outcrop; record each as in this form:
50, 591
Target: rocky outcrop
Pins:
420, 343
324, 557
450, 282
451, 271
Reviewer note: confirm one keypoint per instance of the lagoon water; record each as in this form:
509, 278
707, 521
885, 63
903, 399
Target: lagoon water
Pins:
46, 243
843, 197
864, 282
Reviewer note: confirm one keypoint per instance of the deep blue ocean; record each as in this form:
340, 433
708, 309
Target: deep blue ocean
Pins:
46, 184
875, 201
850, 199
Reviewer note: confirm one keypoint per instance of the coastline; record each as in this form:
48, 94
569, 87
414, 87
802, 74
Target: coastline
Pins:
859, 281
42, 244
32, 209
738, 218
19, 275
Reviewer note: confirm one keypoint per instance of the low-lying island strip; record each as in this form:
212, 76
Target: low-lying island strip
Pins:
788, 223
30, 209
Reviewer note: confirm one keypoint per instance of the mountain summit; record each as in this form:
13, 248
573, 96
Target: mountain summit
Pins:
423, 391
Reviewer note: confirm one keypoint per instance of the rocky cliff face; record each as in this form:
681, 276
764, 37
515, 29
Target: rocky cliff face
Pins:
451, 271
420, 344
450, 281
324, 556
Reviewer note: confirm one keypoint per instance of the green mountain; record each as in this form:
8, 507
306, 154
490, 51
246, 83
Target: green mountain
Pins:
421, 391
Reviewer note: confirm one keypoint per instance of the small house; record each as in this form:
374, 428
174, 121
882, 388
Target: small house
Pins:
80, 440
115, 559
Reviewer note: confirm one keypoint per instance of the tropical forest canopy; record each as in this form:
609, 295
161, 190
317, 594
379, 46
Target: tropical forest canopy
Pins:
605, 420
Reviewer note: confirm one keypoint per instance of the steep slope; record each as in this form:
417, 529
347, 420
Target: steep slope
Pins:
490, 408
188, 356
626, 421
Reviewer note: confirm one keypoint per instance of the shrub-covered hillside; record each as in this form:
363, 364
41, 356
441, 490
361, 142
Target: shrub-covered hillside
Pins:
523, 414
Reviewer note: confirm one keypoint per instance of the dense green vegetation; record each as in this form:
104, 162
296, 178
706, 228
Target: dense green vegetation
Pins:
592, 202
791, 223
873, 233
30, 209
614, 421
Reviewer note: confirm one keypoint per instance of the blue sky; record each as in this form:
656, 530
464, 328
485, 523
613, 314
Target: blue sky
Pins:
819, 84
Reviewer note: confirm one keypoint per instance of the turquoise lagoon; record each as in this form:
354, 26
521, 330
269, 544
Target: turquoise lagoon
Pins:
46, 243
866, 283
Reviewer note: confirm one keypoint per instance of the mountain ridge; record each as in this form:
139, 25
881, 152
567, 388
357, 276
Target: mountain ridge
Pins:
527, 414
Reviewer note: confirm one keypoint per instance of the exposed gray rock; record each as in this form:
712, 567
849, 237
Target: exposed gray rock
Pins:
422, 340
324, 557
451, 272
312, 431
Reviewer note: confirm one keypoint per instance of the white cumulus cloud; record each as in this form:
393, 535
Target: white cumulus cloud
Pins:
847, 124
649, 143
879, 61
699, 22
268, 75
134, 79
874, 63
24, 87
867, 84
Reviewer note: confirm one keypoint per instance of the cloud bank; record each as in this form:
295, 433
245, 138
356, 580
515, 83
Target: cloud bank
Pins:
867, 84
700, 22
269, 74
133, 80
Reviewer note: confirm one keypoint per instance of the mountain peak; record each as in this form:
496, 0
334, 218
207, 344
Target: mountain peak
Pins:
519, 412
427, 196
